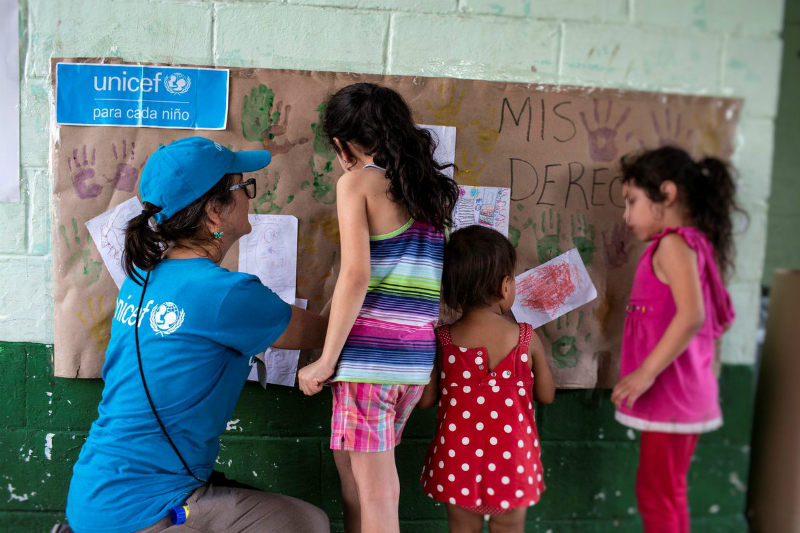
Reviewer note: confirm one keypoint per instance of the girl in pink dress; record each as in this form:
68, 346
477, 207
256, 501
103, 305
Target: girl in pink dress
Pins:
678, 307
485, 456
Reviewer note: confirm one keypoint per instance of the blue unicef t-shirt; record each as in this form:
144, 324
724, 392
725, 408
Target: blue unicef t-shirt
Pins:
198, 326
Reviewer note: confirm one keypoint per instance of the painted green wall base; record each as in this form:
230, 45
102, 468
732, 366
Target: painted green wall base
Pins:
277, 440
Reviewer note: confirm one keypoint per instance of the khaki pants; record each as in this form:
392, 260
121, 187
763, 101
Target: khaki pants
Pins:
226, 506
220, 509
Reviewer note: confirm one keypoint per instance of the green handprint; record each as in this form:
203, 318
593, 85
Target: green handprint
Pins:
266, 203
583, 237
565, 350
324, 190
513, 235
321, 145
323, 185
260, 122
257, 114
91, 268
547, 245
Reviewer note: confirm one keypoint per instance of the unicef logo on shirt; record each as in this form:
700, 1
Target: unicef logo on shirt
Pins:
177, 83
166, 318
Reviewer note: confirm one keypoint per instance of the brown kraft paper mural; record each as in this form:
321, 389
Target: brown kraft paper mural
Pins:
556, 147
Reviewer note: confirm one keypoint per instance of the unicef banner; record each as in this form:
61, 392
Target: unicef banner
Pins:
139, 96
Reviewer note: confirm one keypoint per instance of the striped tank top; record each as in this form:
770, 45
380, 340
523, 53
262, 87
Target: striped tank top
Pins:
392, 340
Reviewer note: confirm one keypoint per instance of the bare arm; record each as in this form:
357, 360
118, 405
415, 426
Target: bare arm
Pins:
351, 287
306, 331
430, 394
544, 388
678, 262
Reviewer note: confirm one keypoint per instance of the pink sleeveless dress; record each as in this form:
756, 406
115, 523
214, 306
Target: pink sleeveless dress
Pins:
685, 396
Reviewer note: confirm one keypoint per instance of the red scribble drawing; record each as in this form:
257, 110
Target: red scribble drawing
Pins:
548, 287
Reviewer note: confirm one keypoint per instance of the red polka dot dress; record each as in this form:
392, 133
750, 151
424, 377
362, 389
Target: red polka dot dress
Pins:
486, 455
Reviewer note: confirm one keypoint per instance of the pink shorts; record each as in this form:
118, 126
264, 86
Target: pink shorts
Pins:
370, 417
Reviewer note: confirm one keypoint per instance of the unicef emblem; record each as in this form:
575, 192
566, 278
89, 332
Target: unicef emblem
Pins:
177, 83
166, 318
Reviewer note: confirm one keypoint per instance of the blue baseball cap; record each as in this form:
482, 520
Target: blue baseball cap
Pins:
181, 172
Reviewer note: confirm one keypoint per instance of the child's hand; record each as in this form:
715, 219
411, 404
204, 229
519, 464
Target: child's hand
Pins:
313, 376
631, 387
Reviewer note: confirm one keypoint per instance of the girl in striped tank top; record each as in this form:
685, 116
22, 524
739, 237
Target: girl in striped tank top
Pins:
393, 204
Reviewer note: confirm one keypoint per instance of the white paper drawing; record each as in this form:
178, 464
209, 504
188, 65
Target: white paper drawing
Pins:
483, 206
553, 289
108, 232
445, 152
275, 366
269, 251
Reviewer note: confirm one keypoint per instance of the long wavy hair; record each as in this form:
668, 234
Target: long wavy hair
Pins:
145, 242
706, 188
378, 121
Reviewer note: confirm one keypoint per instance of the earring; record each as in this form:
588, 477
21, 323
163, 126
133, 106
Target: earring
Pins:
218, 234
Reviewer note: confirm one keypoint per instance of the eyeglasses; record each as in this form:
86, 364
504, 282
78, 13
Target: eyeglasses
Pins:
249, 187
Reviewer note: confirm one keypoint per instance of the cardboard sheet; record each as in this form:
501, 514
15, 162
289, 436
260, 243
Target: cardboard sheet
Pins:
556, 148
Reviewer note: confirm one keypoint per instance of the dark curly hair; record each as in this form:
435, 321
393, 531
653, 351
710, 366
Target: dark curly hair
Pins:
476, 259
379, 121
706, 188
146, 242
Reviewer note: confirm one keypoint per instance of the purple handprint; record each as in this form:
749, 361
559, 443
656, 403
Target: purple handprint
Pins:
82, 170
126, 174
602, 140
617, 248
670, 136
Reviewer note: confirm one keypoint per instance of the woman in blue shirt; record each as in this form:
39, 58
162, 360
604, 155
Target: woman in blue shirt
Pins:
182, 334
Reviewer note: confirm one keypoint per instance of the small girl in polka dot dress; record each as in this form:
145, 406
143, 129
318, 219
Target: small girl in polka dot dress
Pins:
485, 456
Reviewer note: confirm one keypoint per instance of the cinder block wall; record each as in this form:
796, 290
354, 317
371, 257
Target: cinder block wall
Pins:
277, 439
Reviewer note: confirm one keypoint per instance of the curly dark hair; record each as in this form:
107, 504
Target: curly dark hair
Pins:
146, 242
706, 188
476, 259
379, 121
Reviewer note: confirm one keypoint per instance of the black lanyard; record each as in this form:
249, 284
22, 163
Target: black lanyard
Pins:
147, 391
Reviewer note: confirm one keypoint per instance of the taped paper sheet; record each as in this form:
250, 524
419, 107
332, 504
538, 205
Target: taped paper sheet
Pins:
482, 206
275, 366
445, 152
269, 251
553, 289
108, 233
